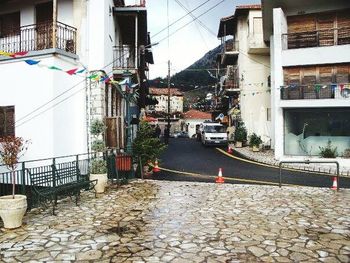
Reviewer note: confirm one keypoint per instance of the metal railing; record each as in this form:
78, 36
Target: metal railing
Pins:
317, 38
307, 92
39, 37
307, 162
124, 57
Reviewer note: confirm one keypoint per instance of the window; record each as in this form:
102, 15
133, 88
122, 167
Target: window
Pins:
9, 24
7, 121
257, 25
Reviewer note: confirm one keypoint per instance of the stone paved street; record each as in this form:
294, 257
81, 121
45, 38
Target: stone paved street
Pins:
159, 221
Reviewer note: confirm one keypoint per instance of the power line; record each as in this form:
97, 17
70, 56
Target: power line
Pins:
199, 21
191, 21
179, 19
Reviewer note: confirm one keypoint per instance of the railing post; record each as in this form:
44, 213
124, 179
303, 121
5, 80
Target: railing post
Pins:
77, 166
23, 174
280, 177
337, 175
54, 172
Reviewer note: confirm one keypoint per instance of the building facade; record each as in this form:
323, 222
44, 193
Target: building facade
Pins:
310, 67
162, 95
56, 60
245, 69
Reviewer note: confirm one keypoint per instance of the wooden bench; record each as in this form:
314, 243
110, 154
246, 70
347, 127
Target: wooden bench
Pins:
51, 182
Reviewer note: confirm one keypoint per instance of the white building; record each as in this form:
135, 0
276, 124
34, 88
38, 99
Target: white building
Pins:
310, 67
246, 61
193, 119
161, 95
42, 102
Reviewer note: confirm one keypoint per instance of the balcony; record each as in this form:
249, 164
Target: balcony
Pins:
230, 53
39, 37
256, 45
319, 38
307, 92
124, 59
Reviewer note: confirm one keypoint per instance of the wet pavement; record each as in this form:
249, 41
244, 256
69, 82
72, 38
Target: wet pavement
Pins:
160, 221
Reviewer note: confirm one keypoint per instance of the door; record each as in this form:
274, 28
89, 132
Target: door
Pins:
43, 15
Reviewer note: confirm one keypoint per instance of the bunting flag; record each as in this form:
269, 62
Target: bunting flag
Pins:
32, 62
72, 71
54, 68
13, 54
318, 87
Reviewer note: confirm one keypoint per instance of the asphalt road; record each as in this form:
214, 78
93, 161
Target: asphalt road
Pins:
188, 160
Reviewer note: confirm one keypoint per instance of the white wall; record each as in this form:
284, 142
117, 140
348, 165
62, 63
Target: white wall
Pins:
53, 130
254, 70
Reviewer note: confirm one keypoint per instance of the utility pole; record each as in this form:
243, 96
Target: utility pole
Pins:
168, 134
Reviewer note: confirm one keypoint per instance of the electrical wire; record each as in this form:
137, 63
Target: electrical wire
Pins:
191, 21
179, 19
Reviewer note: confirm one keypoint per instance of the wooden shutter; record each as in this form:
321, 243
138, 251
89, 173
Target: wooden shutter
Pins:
342, 75
343, 25
325, 24
301, 23
111, 132
7, 121
309, 77
292, 75
325, 73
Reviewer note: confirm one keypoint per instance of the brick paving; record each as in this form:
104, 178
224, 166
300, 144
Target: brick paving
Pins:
160, 221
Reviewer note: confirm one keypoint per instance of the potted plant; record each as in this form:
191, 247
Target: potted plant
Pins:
98, 166
328, 151
12, 207
254, 142
240, 135
145, 147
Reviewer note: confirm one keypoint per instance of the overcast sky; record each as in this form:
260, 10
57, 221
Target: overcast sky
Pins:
191, 42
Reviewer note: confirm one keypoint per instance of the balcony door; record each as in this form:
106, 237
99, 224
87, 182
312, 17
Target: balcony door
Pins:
43, 16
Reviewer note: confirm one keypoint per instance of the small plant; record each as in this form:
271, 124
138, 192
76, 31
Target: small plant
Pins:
328, 151
346, 153
240, 133
254, 140
98, 165
12, 148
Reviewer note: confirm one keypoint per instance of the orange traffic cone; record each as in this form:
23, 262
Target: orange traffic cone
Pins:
220, 179
335, 184
156, 168
229, 150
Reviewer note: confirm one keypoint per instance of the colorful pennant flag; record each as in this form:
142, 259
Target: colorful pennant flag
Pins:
72, 71
31, 62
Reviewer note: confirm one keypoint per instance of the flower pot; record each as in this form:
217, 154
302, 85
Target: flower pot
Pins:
147, 171
238, 144
256, 148
101, 182
12, 210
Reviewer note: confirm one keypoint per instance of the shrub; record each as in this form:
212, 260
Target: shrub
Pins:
254, 140
328, 151
98, 166
240, 133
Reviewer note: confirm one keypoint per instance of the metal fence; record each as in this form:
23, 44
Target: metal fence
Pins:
38, 37
21, 176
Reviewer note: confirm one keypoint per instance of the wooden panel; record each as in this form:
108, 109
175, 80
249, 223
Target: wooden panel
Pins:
342, 75
325, 25
111, 132
343, 25
292, 75
325, 74
7, 121
301, 23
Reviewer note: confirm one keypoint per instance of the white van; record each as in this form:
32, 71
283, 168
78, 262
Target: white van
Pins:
213, 133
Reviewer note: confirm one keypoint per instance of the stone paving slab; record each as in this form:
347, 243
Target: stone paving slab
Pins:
159, 221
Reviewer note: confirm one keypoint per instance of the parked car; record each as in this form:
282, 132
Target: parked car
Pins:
214, 134
181, 134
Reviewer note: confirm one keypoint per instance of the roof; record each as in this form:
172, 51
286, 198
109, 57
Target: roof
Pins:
164, 91
228, 23
196, 114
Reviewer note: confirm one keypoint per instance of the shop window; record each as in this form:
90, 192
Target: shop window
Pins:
306, 130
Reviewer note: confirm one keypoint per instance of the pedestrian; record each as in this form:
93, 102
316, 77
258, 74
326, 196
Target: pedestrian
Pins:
158, 131
166, 135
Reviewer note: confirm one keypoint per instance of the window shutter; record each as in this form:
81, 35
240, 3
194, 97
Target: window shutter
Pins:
326, 73
325, 25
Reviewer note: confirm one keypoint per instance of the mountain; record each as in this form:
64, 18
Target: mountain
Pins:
200, 74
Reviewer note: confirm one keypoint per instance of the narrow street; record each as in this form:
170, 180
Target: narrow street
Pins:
189, 160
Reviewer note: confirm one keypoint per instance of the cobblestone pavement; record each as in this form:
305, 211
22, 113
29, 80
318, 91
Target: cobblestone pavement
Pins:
159, 221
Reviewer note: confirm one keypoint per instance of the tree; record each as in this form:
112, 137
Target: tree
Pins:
12, 148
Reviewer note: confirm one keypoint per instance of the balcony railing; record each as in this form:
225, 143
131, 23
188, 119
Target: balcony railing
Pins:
39, 37
124, 57
318, 91
231, 46
319, 38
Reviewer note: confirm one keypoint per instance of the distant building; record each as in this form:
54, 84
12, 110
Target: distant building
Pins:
193, 118
161, 95
310, 70
244, 71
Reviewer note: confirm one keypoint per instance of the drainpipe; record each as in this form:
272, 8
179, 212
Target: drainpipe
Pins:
54, 26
